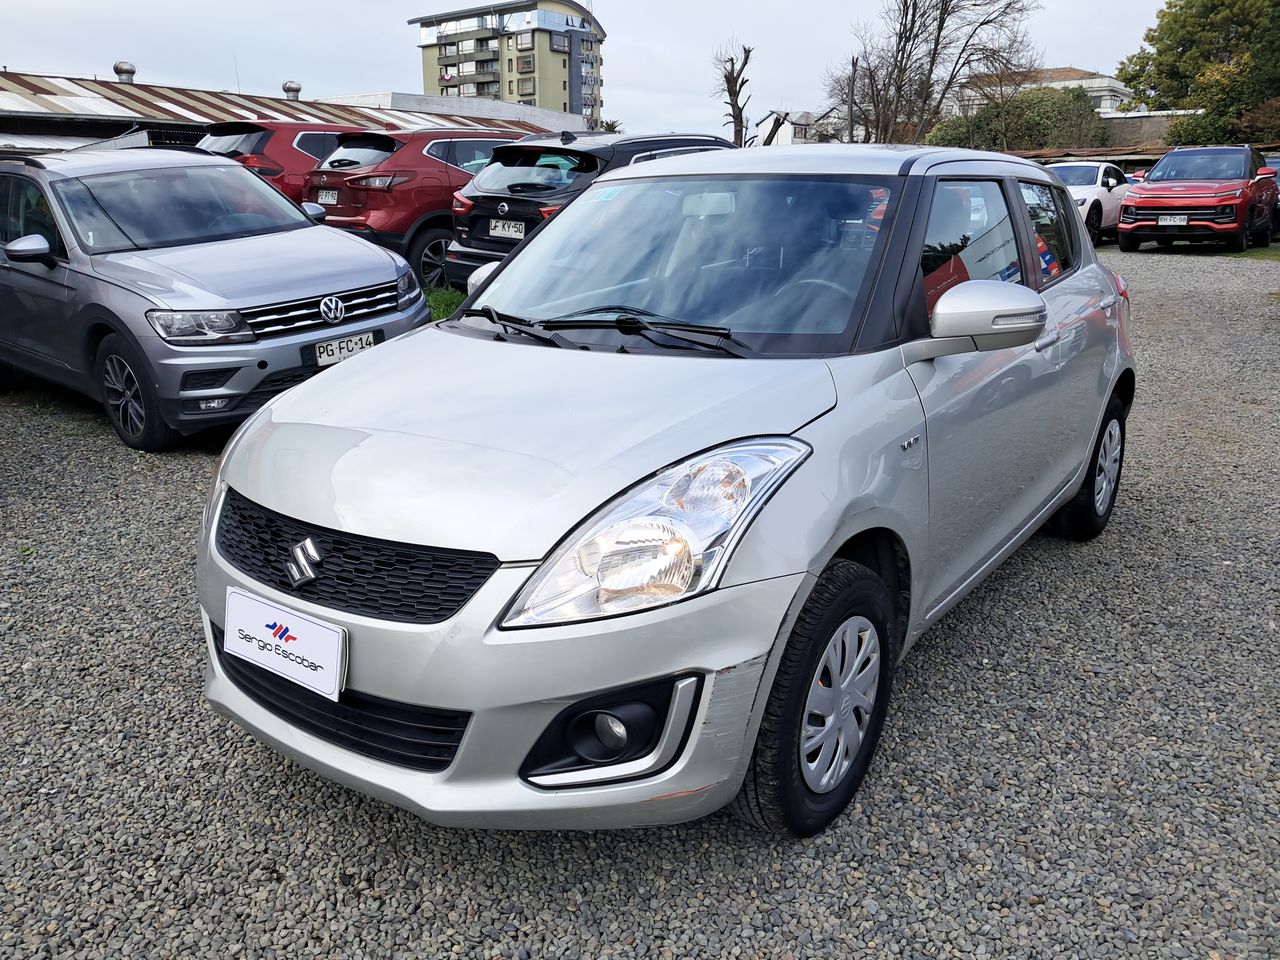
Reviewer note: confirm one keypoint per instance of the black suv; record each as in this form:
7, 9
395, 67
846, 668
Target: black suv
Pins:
527, 181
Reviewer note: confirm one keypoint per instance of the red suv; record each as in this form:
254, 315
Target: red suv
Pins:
280, 152
1223, 194
395, 187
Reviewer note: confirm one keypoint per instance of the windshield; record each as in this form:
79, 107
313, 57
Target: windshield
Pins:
1199, 165
360, 150
535, 170
1077, 176
174, 207
785, 263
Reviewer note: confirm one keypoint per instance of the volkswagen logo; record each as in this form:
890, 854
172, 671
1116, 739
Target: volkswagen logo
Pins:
332, 309
502, 209
299, 566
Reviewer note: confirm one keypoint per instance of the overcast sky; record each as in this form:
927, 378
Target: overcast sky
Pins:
657, 68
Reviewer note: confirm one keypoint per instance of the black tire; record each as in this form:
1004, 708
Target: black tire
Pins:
1093, 224
129, 396
775, 796
426, 256
1238, 242
1128, 242
1079, 518
1262, 236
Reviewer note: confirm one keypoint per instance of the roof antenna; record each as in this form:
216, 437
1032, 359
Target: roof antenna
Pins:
567, 136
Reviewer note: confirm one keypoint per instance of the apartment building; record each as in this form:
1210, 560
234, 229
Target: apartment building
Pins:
540, 53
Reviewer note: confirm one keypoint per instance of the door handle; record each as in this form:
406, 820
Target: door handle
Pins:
1047, 340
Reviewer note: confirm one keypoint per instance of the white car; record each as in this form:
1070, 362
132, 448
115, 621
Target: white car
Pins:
1097, 189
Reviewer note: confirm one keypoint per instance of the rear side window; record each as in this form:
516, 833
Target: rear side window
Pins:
360, 150
673, 152
970, 237
237, 144
6, 234
537, 171
439, 149
1051, 220
318, 144
472, 155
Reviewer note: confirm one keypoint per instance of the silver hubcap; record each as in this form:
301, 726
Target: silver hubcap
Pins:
1107, 469
838, 710
432, 265
124, 396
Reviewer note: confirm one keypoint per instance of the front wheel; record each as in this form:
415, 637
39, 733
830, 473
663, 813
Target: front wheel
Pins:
1093, 224
1238, 242
1128, 242
427, 256
129, 396
1086, 515
826, 709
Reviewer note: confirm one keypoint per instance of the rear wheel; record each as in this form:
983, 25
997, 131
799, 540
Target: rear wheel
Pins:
826, 708
129, 396
427, 255
1086, 515
1093, 224
1128, 242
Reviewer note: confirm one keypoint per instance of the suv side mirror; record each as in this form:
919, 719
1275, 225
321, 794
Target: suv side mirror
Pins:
315, 211
479, 275
1110, 183
981, 315
30, 249
1266, 172
1138, 175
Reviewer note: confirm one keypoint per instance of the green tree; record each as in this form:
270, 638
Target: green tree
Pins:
611, 126
1039, 118
1191, 36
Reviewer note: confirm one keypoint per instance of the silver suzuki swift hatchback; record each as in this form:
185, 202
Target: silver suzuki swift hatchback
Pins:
643, 529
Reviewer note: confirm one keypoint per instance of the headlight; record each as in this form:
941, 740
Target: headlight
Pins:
407, 289
665, 539
213, 326
1080, 202
1230, 194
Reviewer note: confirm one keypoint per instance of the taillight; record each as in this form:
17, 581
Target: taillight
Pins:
379, 181
548, 212
461, 205
261, 165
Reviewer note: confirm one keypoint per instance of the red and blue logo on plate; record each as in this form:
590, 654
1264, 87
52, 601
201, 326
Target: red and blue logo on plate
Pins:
280, 632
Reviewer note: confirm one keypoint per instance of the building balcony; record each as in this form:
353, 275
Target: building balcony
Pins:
480, 76
456, 58
474, 33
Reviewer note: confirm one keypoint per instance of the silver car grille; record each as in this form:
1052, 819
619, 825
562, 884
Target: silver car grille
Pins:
277, 319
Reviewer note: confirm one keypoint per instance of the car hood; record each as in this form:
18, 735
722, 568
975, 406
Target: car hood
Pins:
250, 271
1186, 188
446, 440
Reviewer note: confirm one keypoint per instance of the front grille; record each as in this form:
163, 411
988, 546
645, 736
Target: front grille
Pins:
420, 738
401, 582
206, 379
1154, 213
278, 319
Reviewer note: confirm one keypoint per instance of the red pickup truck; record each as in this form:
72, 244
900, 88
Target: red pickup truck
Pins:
1203, 194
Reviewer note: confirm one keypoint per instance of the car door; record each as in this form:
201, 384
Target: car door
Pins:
987, 450
1111, 198
32, 312
1082, 310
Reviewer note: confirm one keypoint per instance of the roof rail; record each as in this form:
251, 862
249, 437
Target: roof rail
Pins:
29, 161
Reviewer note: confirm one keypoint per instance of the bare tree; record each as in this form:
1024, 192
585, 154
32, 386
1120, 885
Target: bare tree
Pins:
730, 63
997, 81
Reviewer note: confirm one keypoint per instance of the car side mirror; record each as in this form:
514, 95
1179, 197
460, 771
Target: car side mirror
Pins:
981, 315
30, 249
1138, 175
479, 275
315, 211
1110, 184
1266, 172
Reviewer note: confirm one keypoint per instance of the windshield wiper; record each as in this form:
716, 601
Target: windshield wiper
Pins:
639, 321
521, 326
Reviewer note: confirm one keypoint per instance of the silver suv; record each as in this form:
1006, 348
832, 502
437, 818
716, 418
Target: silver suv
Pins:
645, 527
179, 289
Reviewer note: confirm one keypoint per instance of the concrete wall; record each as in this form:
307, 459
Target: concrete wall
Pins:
1130, 128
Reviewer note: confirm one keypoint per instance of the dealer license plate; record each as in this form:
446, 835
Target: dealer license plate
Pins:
327, 197
1172, 221
335, 351
507, 229
311, 653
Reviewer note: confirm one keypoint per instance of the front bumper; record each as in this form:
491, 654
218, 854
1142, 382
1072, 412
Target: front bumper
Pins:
1205, 228
514, 683
247, 375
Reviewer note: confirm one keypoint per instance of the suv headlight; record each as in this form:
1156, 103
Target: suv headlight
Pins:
211, 326
665, 539
407, 289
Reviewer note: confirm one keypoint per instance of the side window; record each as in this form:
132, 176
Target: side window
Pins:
6, 234
970, 237
318, 145
439, 149
29, 214
471, 155
1054, 237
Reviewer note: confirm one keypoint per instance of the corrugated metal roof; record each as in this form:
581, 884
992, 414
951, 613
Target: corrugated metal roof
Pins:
38, 143
31, 94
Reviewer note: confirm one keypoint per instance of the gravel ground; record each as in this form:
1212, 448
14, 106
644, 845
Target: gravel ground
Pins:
1097, 776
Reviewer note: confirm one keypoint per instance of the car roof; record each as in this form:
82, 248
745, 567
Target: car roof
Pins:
83, 163
821, 159
588, 141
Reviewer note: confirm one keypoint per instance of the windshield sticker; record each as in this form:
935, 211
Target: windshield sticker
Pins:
602, 196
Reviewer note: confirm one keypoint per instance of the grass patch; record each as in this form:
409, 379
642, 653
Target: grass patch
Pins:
1259, 253
444, 300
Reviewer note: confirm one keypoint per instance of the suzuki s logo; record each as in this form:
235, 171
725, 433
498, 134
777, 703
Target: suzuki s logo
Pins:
281, 632
503, 208
300, 567
332, 309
